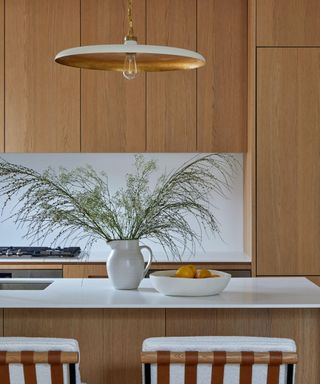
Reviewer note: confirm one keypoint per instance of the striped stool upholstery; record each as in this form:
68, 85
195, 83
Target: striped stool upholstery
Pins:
218, 360
39, 361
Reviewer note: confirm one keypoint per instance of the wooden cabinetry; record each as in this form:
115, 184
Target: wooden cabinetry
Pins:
171, 96
301, 325
42, 106
96, 270
84, 270
222, 83
53, 108
111, 339
1, 75
112, 108
288, 158
288, 22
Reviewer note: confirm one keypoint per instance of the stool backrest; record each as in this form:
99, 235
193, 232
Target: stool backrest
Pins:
29, 360
218, 360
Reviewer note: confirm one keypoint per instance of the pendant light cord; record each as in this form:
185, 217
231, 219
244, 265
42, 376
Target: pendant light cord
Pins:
130, 32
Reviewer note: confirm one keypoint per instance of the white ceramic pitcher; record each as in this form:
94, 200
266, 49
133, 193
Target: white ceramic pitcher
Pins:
125, 264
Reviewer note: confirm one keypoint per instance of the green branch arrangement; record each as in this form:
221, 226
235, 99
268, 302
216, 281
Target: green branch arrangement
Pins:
78, 204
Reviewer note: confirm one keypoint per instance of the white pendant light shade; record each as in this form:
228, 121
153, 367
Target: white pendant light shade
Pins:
149, 58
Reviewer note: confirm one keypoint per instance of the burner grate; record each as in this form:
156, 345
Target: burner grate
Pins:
26, 252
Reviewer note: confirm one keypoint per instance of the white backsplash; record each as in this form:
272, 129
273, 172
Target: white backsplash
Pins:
229, 211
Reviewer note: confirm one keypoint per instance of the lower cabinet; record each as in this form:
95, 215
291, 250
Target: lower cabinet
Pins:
96, 270
84, 270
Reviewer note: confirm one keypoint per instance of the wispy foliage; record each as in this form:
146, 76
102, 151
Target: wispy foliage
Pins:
78, 204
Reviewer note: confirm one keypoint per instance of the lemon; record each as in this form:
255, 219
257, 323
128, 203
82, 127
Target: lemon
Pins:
203, 273
192, 267
187, 271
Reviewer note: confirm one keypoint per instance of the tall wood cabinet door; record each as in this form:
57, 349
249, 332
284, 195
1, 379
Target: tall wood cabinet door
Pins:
42, 106
112, 108
288, 22
171, 96
1, 75
222, 82
288, 158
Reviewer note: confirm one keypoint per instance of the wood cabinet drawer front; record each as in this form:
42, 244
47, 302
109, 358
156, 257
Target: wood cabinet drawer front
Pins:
84, 271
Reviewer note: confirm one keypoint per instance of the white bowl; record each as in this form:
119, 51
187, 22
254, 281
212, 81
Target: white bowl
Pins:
166, 283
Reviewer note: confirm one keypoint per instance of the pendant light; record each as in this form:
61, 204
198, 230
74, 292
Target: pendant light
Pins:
130, 58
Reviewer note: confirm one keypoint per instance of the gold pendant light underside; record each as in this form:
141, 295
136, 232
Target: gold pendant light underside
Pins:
146, 62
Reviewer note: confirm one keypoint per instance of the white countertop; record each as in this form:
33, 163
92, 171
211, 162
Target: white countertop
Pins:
275, 292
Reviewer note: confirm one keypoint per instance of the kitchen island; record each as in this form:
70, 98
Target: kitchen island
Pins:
110, 325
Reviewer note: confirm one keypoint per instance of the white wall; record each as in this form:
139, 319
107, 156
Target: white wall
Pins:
229, 211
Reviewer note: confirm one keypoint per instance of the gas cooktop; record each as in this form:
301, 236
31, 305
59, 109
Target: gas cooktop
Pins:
27, 252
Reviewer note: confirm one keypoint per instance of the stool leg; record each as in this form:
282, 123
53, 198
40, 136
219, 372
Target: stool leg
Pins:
147, 373
290, 374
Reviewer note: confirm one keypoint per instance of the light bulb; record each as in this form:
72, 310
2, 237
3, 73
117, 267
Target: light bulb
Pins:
130, 70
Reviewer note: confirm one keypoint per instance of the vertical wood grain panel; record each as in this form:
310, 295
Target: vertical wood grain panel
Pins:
113, 108
288, 158
288, 22
1, 75
83, 270
302, 325
124, 332
42, 97
249, 174
86, 326
171, 96
110, 340
222, 83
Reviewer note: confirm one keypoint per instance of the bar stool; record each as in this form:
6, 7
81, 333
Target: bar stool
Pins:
33, 360
218, 360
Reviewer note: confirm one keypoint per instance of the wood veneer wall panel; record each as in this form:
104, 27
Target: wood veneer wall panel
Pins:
288, 175
222, 83
84, 325
124, 332
42, 98
249, 186
112, 108
171, 96
1, 75
302, 325
288, 22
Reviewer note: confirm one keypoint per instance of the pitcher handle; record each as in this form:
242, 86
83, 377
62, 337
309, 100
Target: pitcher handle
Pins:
150, 259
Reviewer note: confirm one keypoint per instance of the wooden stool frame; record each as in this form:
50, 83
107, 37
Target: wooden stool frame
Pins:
219, 359
29, 359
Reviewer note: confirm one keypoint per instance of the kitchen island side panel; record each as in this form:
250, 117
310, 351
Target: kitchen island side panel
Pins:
110, 339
